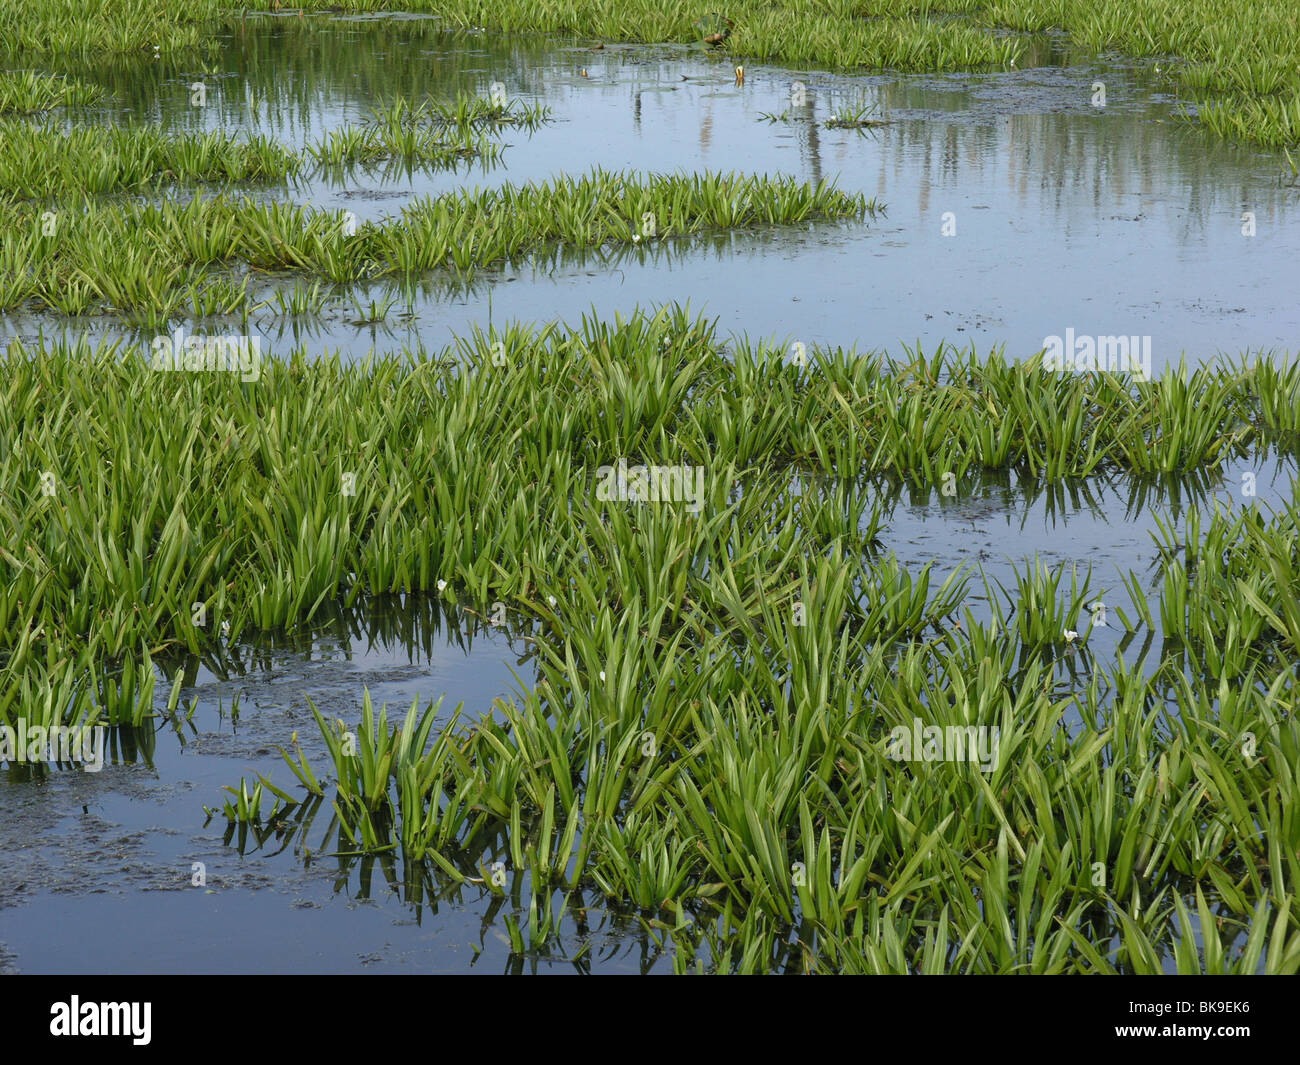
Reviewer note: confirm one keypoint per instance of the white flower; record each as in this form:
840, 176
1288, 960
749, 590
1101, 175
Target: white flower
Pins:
1071, 636
636, 238
442, 585
551, 599
602, 674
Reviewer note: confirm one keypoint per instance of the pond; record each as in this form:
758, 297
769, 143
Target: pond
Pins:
1016, 207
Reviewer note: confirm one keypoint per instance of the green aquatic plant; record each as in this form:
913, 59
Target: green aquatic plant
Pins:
93, 524
467, 111
28, 92
718, 814
722, 677
392, 138
860, 116
1046, 614
45, 161
301, 299
247, 806
148, 259
374, 311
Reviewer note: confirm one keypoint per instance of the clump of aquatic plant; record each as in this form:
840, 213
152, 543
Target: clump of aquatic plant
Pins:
300, 299
711, 785
105, 27
399, 134
28, 92
724, 675
388, 779
41, 161
1277, 392
1227, 584
372, 311
466, 111
218, 296
246, 808
747, 407
850, 116
1182, 436
148, 260
1046, 614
